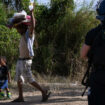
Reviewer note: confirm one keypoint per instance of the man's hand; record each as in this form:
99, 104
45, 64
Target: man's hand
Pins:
33, 8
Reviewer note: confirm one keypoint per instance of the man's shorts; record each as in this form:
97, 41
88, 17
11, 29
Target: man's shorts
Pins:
23, 71
3, 84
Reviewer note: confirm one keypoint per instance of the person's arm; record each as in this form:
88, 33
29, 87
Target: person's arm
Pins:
9, 77
89, 38
32, 26
84, 51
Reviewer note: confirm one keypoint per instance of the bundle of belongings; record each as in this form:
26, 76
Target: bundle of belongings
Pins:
19, 18
23, 18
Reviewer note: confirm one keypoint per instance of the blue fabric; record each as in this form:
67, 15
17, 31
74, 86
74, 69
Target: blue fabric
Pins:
101, 10
3, 84
100, 17
30, 41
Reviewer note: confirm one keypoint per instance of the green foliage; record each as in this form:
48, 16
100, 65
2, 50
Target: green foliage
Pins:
3, 15
9, 40
60, 32
48, 21
70, 36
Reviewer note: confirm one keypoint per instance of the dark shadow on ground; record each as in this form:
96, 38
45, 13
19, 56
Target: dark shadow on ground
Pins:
57, 100
54, 98
59, 95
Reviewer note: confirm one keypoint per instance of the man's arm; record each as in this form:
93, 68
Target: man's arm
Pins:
84, 51
32, 26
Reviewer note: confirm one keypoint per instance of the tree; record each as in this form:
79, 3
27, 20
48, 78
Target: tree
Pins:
16, 4
60, 32
48, 21
9, 40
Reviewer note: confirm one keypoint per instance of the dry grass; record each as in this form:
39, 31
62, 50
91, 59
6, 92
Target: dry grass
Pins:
64, 92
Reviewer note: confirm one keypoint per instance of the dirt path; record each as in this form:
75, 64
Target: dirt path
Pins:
61, 95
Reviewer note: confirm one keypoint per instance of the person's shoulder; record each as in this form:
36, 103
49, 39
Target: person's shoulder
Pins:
5, 67
95, 29
91, 35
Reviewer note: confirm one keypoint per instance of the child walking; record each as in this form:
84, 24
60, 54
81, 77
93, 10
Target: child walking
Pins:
4, 78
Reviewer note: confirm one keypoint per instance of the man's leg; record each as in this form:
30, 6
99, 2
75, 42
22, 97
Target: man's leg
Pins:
20, 97
28, 75
36, 85
45, 93
91, 97
19, 83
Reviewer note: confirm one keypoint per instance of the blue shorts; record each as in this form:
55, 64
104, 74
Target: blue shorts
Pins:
3, 84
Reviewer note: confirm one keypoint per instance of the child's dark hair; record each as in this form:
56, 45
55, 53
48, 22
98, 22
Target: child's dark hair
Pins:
3, 58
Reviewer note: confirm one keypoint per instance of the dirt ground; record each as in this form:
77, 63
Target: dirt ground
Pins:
61, 95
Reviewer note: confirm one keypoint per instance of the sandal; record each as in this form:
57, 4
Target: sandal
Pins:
18, 100
45, 97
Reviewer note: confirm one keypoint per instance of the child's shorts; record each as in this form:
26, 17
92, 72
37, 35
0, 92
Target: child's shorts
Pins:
3, 84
